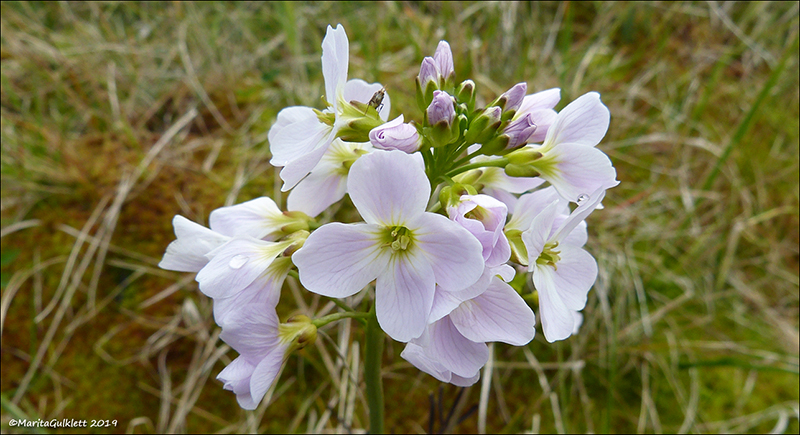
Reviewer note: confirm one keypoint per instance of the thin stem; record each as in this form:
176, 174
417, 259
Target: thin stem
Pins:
322, 321
501, 162
467, 158
372, 372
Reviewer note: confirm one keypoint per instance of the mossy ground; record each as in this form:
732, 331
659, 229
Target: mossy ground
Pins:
692, 325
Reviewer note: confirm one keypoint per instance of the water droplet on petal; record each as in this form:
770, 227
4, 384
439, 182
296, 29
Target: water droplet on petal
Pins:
582, 198
238, 261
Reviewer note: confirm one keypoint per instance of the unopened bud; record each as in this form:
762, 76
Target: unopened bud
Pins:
465, 93
519, 131
428, 72
441, 109
395, 135
444, 61
484, 126
512, 99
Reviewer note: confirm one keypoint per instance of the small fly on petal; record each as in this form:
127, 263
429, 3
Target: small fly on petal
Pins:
377, 100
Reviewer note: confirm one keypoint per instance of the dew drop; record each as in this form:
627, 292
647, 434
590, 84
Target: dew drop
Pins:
238, 261
582, 198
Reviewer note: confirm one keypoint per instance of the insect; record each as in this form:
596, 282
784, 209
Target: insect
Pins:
377, 100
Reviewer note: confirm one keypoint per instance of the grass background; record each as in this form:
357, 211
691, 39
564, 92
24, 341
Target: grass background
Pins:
117, 116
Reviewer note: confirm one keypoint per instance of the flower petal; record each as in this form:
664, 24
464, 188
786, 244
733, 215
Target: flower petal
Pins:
337, 260
578, 215
416, 355
444, 302
455, 254
264, 291
450, 348
557, 320
335, 60
297, 132
579, 170
538, 234
541, 100
574, 276
583, 122
498, 314
194, 241
404, 296
531, 204
236, 265
254, 333
265, 373
297, 169
236, 377
255, 218
322, 188
389, 187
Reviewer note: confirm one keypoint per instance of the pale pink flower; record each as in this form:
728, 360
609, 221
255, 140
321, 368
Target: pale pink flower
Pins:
407, 249
570, 161
563, 273
299, 139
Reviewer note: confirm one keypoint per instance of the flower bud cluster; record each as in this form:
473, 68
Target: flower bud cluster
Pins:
514, 179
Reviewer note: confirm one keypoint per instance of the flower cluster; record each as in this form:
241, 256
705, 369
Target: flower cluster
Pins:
453, 208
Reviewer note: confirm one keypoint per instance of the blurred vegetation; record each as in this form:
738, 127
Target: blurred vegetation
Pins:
117, 116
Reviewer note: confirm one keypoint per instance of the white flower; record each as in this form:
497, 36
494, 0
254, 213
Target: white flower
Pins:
570, 161
299, 138
563, 273
407, 249
263, 345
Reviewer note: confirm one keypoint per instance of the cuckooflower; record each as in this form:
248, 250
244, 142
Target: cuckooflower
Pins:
437, 68
539, 108
528, 206
407, 249
563, 273
568, 158
301, 135
263, 345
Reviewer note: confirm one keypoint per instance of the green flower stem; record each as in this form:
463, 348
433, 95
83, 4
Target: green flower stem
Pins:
468, 158
372, 372
322, 321
501, 162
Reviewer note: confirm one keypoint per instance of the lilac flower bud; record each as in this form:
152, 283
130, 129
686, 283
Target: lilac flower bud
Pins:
514, 96
428, 72
394, 135
441, 109
444, 60
519, 131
